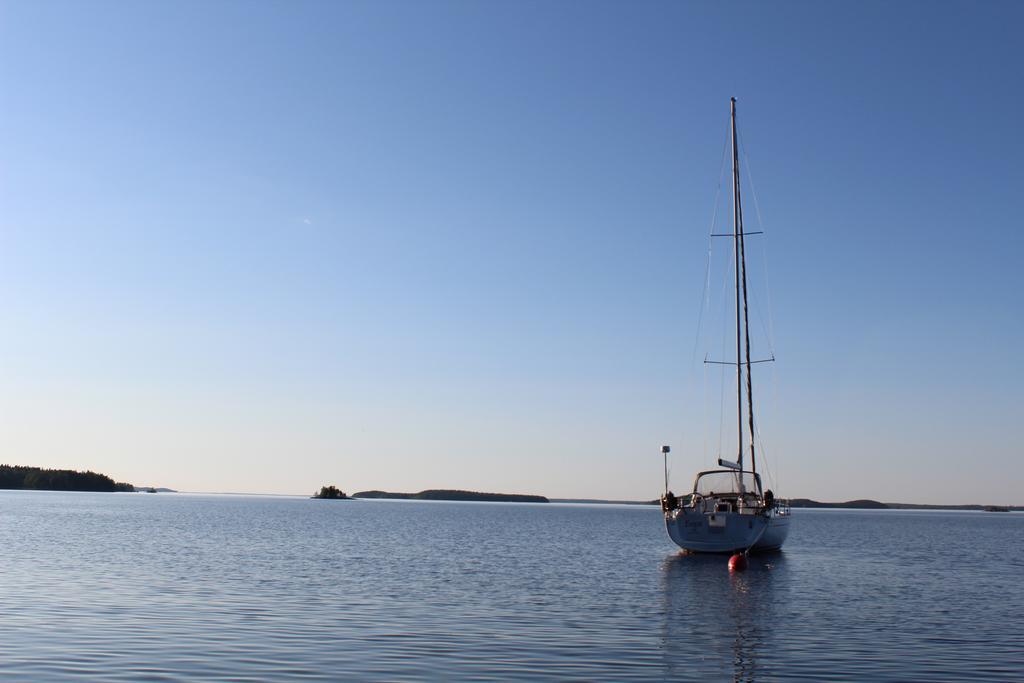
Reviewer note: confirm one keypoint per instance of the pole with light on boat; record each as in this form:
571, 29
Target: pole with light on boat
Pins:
664, 455
668, 500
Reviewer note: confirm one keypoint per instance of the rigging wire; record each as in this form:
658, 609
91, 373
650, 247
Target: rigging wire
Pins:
726, 271
764, 250
770, 331
705, 302
704, 423
775, 403
760, 318
707, 261
706, 298
771, 467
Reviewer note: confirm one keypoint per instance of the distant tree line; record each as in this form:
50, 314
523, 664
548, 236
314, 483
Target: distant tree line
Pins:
454, 494
37, 478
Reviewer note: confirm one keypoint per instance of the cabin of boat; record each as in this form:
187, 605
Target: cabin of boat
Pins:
729, 491
727, 511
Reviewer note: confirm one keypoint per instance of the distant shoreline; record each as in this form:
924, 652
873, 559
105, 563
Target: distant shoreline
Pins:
27, 478
454, 495
867, 504
599, 501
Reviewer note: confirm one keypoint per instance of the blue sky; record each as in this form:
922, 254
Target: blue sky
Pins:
401, 245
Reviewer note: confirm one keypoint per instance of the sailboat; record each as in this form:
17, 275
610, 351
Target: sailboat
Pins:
729, 511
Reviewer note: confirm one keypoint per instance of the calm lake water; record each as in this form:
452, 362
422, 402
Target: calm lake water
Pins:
180, 587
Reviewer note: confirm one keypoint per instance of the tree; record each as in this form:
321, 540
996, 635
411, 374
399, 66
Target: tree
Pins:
330, 492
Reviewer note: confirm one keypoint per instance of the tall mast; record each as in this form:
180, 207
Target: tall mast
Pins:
741, 276
736, 228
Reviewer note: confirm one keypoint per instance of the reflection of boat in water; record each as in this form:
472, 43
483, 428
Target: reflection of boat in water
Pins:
728, 509
716, 628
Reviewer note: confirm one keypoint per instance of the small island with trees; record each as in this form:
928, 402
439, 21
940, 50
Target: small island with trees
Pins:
40, 479
330, 493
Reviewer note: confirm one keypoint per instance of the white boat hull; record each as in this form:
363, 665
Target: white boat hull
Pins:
726, 532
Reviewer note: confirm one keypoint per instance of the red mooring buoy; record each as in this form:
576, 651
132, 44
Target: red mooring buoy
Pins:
737, 562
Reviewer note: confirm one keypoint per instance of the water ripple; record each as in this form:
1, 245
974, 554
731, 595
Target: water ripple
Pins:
125, 587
